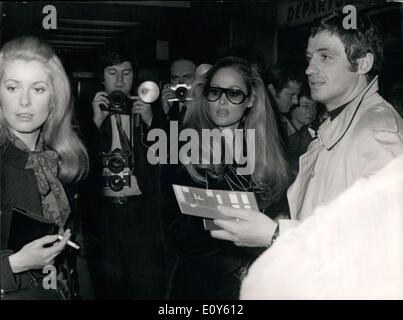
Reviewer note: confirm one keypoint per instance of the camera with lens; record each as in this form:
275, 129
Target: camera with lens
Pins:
116, 172
118, 103
181, 92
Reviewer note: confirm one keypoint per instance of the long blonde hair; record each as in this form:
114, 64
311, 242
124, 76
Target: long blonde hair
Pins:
271, 169
57, 131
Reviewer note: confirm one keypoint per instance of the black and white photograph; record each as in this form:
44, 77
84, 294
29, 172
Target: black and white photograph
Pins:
201, 154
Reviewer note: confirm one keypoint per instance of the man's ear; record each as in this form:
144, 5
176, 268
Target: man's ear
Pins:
271, 89
365, 63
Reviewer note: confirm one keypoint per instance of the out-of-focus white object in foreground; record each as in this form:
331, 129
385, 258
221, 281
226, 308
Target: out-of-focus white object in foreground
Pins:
352, 248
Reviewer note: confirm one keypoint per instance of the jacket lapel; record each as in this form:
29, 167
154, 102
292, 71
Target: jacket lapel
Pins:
14, 175
296, 193
106, 135
331, 132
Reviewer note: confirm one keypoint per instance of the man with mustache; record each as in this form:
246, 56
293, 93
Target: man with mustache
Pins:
362, 134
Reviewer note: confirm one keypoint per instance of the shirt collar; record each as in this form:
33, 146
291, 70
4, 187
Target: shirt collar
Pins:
334, 113
330, 132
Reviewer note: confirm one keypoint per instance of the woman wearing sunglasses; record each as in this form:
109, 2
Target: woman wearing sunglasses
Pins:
231, 95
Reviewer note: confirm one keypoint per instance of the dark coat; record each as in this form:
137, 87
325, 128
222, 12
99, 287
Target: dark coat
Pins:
147, 175
205, 267
100, 140
19, 188
175, 115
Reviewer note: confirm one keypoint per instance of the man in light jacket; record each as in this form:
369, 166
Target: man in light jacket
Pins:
362, 134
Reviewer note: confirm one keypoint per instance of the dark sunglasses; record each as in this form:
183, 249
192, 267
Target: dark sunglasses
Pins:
234, 96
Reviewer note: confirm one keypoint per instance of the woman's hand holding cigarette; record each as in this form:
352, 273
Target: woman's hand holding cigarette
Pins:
38, 253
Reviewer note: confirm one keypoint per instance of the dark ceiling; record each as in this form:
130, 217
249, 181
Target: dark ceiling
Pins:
159, 31
84, 28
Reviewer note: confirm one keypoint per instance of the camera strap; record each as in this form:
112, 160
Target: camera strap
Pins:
182, 113
124, 140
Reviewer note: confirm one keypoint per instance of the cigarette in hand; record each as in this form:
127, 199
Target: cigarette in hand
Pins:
70, 243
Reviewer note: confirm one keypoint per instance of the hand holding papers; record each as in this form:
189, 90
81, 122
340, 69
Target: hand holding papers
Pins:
203, 202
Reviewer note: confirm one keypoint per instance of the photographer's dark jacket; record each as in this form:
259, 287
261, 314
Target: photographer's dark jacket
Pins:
19, 187
136, 219
100, 140
176, 112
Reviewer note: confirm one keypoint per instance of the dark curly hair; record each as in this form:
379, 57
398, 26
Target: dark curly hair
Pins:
357, 42
279, 75
115, 55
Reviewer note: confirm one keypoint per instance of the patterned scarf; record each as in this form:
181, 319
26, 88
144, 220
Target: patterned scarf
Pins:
55, 205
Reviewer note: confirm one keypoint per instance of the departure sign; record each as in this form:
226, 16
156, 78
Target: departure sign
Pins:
293, 13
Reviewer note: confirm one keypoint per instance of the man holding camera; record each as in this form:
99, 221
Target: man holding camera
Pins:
126, 257
173, 96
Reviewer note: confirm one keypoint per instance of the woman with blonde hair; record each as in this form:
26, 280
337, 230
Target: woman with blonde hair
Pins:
230, 98
38, 152
257, 114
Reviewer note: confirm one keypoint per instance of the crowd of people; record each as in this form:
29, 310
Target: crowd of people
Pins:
316, 136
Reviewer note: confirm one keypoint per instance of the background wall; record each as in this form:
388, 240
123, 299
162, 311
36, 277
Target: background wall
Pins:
158, 32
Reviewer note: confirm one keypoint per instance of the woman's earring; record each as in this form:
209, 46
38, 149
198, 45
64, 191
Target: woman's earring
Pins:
250, 104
